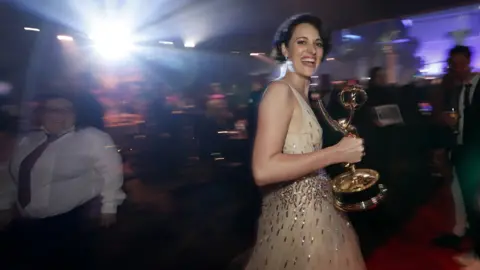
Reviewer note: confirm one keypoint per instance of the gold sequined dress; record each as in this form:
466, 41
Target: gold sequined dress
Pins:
299, 228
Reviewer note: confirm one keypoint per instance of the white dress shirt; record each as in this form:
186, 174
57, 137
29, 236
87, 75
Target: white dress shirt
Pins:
461, 107
77, 167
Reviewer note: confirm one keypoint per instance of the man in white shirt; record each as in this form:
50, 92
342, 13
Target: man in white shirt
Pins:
61, 173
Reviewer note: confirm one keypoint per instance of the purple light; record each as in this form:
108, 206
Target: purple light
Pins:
396, 41
352, 37
433, 69
407, 23
434, 43
402, 40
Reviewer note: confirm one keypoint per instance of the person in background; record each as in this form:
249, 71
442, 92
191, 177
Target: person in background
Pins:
334, 108
443, 142
256, 93
461, 92
217, 108
326, 89
158, 115
377, 88
329, 95
377, 138
66, 175
215, 97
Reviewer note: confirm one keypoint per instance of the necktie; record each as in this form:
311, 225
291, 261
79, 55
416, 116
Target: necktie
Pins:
24, 176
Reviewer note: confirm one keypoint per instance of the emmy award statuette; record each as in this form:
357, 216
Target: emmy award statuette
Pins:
355, 189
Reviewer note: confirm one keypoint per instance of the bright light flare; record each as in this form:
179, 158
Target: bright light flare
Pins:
31, 29
64, 38
112, 40
166, 42
189, 44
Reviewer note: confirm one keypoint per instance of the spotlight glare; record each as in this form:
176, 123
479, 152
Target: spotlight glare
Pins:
166, 42
112, 41
64, 38
189, 44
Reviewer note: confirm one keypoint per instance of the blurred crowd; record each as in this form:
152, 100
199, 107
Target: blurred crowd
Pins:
83, 144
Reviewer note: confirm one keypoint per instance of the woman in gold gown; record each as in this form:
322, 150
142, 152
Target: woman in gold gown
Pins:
299, 227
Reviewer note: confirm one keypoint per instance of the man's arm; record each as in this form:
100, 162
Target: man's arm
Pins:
108, 163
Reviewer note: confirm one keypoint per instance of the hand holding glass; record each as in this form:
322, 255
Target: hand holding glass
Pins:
451, 118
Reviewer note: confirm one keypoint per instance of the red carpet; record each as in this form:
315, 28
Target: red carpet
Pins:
411, 249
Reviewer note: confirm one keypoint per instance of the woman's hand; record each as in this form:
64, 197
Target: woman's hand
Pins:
349, 150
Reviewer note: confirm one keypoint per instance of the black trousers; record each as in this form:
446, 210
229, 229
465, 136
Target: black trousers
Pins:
466, 160
59, 242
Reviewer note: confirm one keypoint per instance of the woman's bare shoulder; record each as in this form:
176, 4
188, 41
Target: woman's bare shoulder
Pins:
278, 91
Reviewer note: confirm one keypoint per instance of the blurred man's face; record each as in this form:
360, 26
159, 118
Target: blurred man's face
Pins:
460, 65
58, 115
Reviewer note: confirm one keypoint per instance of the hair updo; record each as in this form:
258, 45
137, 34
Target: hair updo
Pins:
285, 31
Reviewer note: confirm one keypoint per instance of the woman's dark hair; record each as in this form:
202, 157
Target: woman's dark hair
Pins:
286, 29
373, 74
88, 111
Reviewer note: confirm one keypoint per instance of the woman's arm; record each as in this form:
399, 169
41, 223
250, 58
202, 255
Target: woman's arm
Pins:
270, 165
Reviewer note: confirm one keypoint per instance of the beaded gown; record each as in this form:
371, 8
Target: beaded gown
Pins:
299, 228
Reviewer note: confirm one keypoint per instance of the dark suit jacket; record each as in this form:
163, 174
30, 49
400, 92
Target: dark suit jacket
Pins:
471, 128
447, 98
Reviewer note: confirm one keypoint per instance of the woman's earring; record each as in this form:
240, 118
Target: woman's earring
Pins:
289, 64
